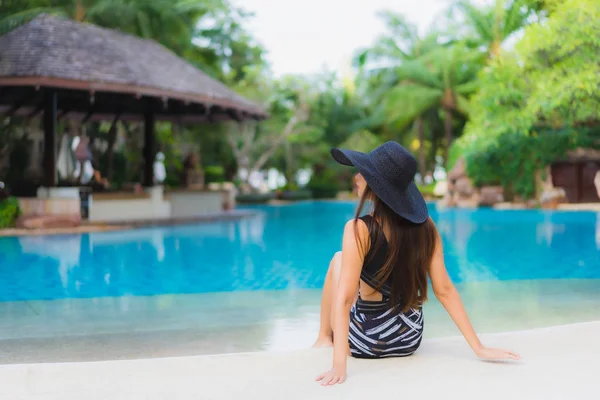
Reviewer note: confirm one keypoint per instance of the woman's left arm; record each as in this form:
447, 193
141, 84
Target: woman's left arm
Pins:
352, 261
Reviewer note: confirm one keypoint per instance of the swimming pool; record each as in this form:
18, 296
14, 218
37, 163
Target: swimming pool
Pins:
285, 247
265, 271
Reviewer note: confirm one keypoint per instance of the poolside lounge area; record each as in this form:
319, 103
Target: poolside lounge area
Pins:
557, 362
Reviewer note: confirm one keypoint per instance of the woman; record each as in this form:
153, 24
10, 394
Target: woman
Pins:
376, 286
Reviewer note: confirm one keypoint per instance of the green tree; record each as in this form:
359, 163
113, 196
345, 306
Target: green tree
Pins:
550, 81
288, 101
380, 70
442, 79
541, 7
497, 107
539, 102
222, 42
490, 25
338, 109
157, 19
14, 13
560, 58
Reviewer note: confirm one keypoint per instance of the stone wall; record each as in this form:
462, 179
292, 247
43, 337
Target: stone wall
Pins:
463, 194
550, 197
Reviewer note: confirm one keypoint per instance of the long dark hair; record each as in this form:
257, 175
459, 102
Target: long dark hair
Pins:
410, 250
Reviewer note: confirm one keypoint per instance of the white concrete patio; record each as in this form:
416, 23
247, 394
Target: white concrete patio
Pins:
558, 363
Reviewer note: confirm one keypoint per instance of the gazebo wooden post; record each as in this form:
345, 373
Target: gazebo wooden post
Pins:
149, 147
49, 162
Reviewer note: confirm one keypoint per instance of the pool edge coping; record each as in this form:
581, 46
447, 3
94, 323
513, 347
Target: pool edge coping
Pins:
112, 226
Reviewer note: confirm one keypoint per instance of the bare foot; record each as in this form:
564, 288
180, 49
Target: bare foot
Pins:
323, 341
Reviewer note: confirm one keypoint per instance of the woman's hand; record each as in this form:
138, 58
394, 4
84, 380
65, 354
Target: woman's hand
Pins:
487, 353
331, 377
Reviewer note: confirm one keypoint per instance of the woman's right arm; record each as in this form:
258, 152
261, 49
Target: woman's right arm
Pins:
446, 293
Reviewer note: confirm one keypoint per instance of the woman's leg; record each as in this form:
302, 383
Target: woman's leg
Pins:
332, 278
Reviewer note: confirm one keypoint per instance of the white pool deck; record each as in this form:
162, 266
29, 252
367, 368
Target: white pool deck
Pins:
172, 347
558, 363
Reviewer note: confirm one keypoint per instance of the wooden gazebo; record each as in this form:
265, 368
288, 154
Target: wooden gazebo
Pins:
58, 68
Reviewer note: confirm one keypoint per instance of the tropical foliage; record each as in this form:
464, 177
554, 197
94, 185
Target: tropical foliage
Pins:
510, 86
488, 26
9, 209
537, 103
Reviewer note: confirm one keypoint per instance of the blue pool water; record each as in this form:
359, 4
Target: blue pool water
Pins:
286, 247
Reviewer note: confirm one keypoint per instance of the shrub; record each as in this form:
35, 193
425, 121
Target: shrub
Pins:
120, 172
9, 210
290, 187
513, 160
254, 198
295, 195
427, 190
329, 182
214, 174
322, 189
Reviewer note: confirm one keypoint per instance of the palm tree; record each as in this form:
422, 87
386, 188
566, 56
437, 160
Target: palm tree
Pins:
492, 24
441, 79
379, 68
14, 14
171, 23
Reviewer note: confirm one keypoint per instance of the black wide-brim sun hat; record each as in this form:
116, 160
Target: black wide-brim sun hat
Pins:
389, 171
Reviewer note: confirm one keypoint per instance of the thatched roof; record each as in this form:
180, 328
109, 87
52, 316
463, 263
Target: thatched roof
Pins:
54, 52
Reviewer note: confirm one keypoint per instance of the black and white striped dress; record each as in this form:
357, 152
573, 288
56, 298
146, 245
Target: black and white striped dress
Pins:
377, 329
